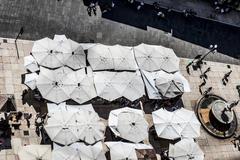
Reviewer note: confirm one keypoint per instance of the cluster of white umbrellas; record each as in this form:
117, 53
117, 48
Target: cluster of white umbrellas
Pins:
79, 151
176, 124
114, 72
113, 85
183, 124
154, 58
68, 126
59, 52
102, 57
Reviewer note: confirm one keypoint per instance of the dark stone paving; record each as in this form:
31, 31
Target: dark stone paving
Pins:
42, 18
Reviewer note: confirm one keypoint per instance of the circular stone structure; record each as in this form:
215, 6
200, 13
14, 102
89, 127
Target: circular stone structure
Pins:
219, 109
216, 118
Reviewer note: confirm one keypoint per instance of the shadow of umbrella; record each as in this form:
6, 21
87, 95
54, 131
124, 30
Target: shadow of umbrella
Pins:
146, 154
33, 98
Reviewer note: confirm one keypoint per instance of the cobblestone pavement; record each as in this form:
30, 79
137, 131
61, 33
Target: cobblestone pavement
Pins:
43, 18
11, 69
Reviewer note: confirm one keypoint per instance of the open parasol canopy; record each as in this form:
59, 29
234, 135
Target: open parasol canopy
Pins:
153, 58
90, 128
121, 150
35, 152
185, 149
167, 124
51, 86
89, 152
129, 124
65, 153
123, 58
100, 57
163, 85
61, 127
76, 57
46, 52
108, 85
83, 86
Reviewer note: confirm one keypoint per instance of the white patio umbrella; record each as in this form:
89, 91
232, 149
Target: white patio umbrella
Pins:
167, 124
84, 89
123, 58
169, 85
185, 149
61, 127
76, 57
51, 86
46, 53
133, 83
90, 127
129, 124
170, 61
121, 151
109, 85
191, 125
169, 88
152, 58
30, 64
35, 152
30, 80
89, 152
100, 57
65, 153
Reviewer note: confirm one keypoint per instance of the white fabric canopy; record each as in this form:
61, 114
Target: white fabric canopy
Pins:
84, 89
149, 80
153, 58
133, 85
65, 153
61, 127
90, 127
123, 58
76, 57
191, 125
89, 152
46, 53
167, 124
108, 86
186, 149
34, 152
51, 85
30, 80
30, 64
100, 57
113, 85
52, 107
129, 124
121, 150
173, 125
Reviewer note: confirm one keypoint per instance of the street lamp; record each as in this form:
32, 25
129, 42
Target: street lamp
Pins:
19, 34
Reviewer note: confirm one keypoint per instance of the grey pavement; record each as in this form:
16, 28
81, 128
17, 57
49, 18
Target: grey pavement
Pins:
44, 18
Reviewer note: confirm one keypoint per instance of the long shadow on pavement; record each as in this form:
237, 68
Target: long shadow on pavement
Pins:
196, 30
